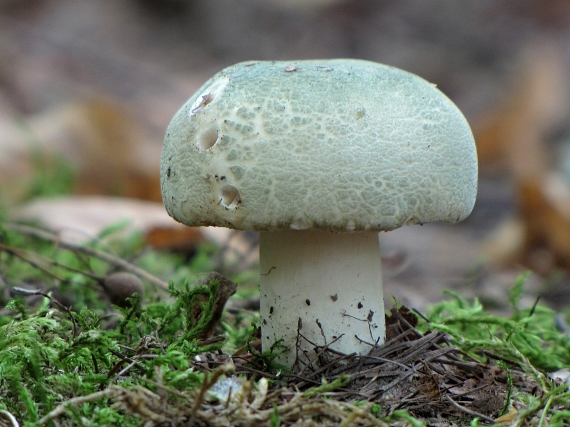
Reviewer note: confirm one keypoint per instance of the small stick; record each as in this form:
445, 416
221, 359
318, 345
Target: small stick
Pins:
468, 392
126, 369
11, 417
321, 351
17, 253
421, 315
162, 387
403, 321
406, 367
60, 409
111, 259
125, 359
501, 358
466, 365
209, 380
469, 411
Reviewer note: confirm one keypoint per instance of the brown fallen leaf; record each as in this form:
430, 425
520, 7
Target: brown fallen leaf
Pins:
178, 239
508, 417
108, 150
80, 218
538, 236
512, 136
547, 226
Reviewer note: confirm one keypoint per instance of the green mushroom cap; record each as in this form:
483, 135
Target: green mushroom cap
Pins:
337, 145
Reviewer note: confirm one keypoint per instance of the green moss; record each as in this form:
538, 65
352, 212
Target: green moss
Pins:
528, 336
50, 355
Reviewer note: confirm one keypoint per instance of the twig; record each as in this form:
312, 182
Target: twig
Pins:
501, 358
18, 253
388, 345
465, 365
365, 342
396, 381
469, 411
163, 387
209, 381
126, 369
419, 347
111, 259
323, 350
11, 417
415, 310
468, 392
124, 359
381, 359
241, 369
60, 409
404, 322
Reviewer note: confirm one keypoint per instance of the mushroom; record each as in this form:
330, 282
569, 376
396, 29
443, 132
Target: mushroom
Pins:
318, 156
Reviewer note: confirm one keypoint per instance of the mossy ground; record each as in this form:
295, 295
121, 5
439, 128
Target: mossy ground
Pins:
67, 357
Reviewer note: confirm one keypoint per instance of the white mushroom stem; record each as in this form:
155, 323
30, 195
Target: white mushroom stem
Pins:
318, 287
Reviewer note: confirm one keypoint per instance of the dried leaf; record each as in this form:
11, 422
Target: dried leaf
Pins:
513, 135
80, 218
508, 417
547, 228
105, 146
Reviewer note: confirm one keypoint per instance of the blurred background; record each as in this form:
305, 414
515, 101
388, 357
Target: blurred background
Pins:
87, 89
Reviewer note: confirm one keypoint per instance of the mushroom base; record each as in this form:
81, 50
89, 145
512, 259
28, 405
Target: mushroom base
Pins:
320, 288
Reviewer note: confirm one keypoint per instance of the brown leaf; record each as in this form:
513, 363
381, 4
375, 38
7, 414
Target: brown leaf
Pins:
107, 148
80, 218
539, 236
547, 226
180, 239
512, 136
508, 417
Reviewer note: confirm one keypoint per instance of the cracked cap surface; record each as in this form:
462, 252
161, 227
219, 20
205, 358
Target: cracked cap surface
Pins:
336, 145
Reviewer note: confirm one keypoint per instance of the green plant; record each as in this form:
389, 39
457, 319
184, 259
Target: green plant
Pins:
529, 336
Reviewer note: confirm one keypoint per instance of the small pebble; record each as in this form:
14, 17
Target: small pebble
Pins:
120, 286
